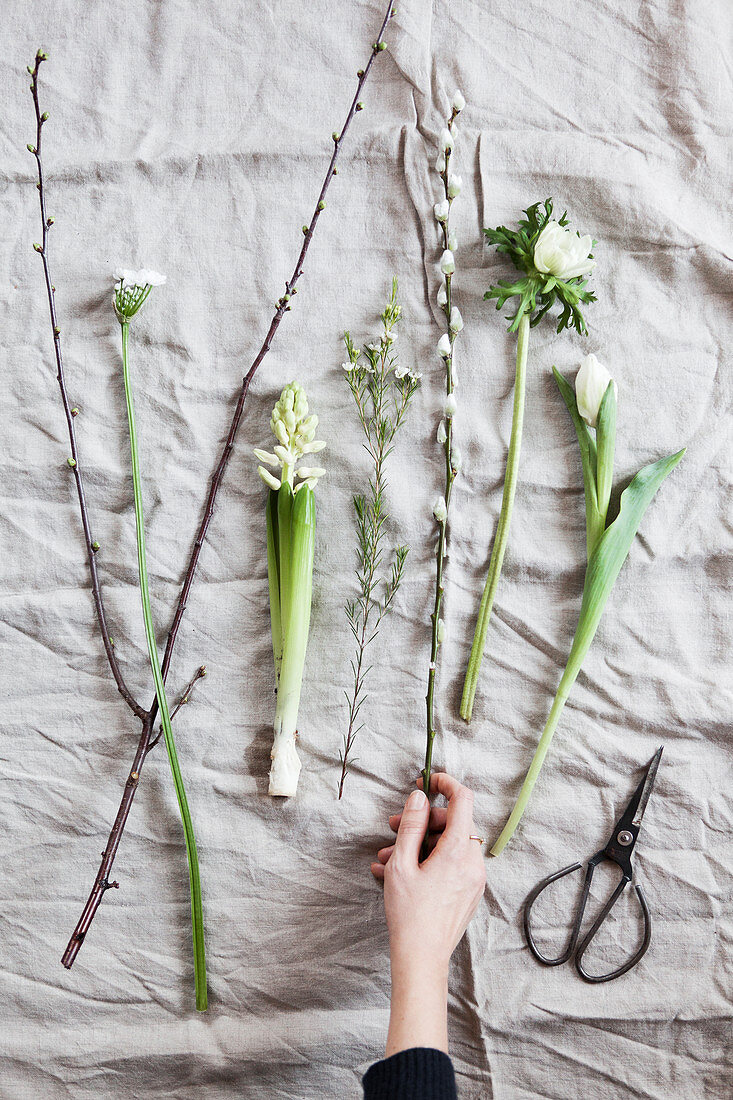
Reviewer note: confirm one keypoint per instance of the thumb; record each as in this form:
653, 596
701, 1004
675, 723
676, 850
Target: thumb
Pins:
413, 827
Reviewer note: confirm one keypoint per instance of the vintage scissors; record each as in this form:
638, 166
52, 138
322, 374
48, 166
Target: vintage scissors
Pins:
618, 851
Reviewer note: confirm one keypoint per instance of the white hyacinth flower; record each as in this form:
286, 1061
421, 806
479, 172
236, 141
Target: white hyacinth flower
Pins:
265, 456
441, 211
450, 406
456, 320
591, 383
447, 262
444, 346
268, 478
562, 253
439, 509
442, 295
445, 141
454, 185
458, 102
295, 432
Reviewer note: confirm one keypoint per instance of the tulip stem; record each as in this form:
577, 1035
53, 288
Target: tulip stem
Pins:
502, 531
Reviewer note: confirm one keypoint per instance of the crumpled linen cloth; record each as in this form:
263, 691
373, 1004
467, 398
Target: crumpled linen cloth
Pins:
192, 137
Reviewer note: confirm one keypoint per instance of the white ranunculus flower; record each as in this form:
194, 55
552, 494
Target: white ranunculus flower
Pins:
447, 262
591, 382
562, 253
444, 348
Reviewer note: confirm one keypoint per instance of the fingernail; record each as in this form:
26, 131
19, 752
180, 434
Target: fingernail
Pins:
416, 799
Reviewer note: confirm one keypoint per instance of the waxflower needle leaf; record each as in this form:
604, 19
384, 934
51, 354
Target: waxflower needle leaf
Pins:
604, 563
290, 515
131, 291
382, 390
554, 262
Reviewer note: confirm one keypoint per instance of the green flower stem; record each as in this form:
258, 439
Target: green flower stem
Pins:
193, 864
502, 531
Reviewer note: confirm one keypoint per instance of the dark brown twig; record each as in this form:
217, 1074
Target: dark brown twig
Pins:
70, 412
102, 883
198, 675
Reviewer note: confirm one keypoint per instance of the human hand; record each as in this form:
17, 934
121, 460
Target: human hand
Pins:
428, 907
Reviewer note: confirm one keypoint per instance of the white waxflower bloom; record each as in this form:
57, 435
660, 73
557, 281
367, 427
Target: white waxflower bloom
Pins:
454, 185
442, 295
447, 262
458, 101
562, 253
591, 383
452, 240
415, 375
450, 406
456, 320
442, 435
440, 163
374, 347
444, 346
400, 371
268, 478
445, 141
440, 510
389, 337
441, 211
441, 631
348, 367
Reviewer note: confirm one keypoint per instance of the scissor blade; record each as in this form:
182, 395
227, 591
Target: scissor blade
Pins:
646, 786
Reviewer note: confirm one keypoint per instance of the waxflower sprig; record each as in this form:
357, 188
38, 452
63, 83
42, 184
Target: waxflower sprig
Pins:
130, 293
554, 262
291, 533
382, 390
593, 406
451, 188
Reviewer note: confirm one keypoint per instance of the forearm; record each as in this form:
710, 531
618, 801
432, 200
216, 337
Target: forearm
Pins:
418, 1007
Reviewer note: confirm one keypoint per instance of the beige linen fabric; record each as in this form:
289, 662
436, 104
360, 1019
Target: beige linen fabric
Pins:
192, 137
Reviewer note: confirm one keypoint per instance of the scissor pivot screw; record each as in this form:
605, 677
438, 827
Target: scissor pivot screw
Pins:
625, 837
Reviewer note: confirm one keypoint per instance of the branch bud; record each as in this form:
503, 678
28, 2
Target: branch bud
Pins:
30, 148
305, 230
321, 205
50, 221
41, 56
95, 547
335, 135
75, 410
360, 106
44, 116
359, 73
37, 246
71, 462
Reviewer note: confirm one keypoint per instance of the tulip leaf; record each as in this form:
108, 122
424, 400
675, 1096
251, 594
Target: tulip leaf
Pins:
594, 521
606, 443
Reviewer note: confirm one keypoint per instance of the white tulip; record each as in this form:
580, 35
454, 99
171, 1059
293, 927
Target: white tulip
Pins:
562, 253
444, 347
447, 262
591, 383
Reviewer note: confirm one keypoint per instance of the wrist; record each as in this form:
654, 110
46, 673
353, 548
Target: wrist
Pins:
418, 1005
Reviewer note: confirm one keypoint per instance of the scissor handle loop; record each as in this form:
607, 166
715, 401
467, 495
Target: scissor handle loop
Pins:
585, 942
531, 899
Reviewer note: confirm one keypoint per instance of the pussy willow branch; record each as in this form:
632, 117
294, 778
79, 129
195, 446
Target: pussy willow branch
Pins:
450, 476
101, 883
73, 461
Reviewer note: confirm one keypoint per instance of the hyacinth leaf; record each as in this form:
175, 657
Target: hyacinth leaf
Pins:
601, 573
296, 561
273, 577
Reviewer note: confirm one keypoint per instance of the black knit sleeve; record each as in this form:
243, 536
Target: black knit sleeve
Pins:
417, 1074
